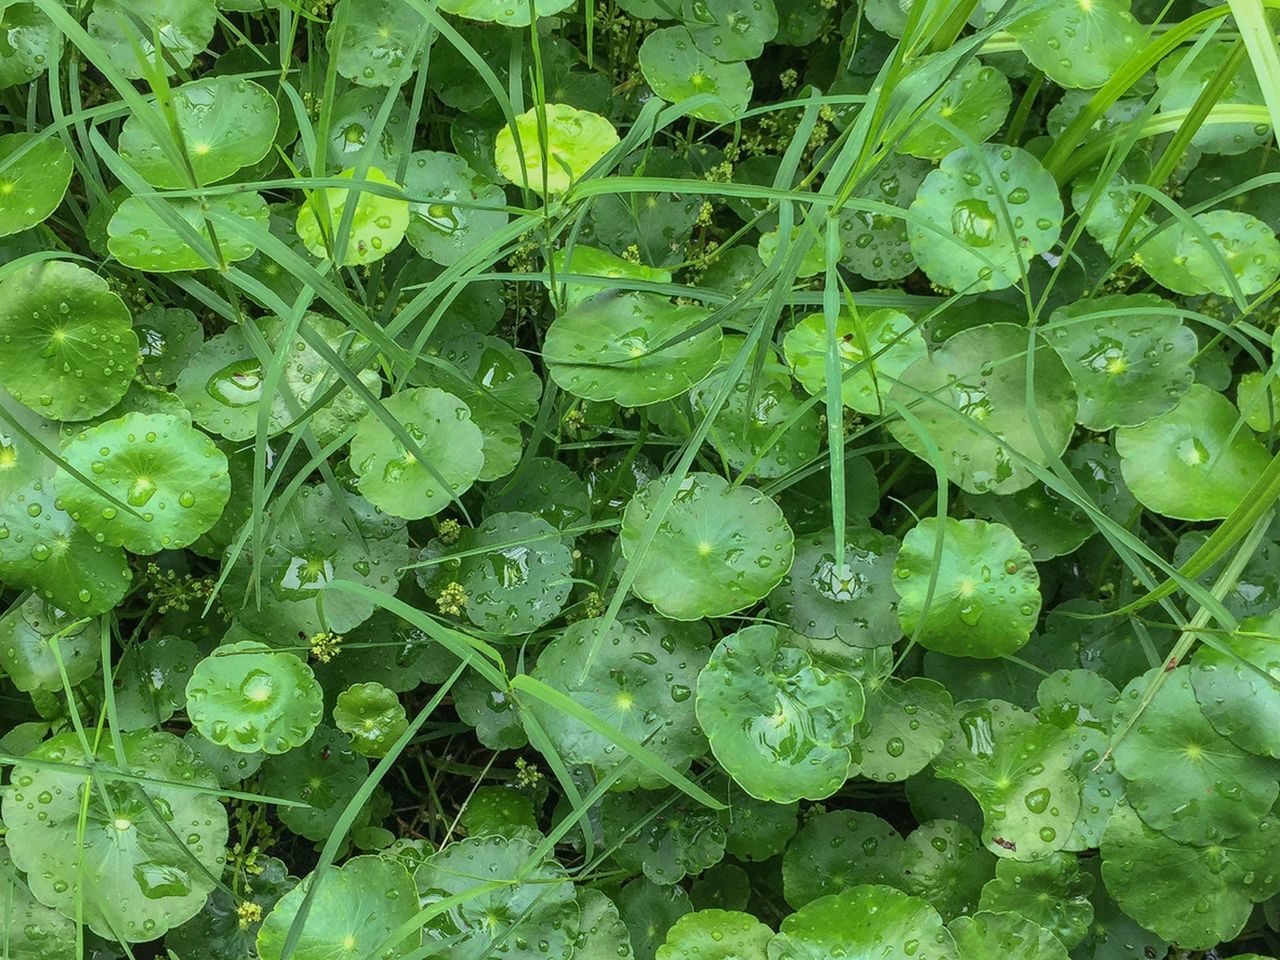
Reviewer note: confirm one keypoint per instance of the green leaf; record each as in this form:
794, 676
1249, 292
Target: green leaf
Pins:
991, 936
779, 724
613, 346
172, 478
67, 347
353, 910
838, 850
869, 920
640, 682
718, 549
128, 33
138, 856
981, 215
1196, 896
1018, 769
904, 727
34, 175
1052, 892
250, 698
716, 935
1182, 777
556, 145
970, 400
1079, 44
141, 237
1194, 462
981, 597
440, 229
376, 37
393, 478
675, 66
378, 223
944, 862
1237, 687
494, 897
225, 123
372, 715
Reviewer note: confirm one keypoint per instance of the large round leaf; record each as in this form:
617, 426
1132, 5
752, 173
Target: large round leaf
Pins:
27, 634
1018, 769
731, 30
979, 598
851, 604
139, 236
504, 11
780, 724
128, 32
377, 37
34, 175
1183, 777
716, 935
981, 215
1053, 892
1195, 462
615, 346
323, 774
353, 910
378, 223
975, 99
674, 65
1241, 248
393, 478
170, 481
970, 400
639, 676
874, 242
996, 936
944, 862
1237, 688
1196, 896
1130, 357
247, 697
840, 849
225, 123
315, 539
43, 549
524, 914
549, 148
872, 921
872, 349
904, 727
138, 855
1079, 44
441, 229
67, 346
716, 549
516, 572
33, 43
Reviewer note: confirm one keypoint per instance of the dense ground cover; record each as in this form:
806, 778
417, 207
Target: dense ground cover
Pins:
655, 479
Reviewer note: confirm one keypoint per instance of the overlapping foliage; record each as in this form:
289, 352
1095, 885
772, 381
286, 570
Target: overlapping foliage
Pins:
647, 479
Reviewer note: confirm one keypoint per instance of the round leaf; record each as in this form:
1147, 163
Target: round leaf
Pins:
674, 65
372, 715
1236, 688
378, 36
716, 935
904, 727
34, 174
393, 478
139, 236
871, 920
225, 123
970, 399
1192, 463
981, 215
575, 140
439, 228
614, 347
639, 677
993, 936
128, 32
139, 856
67, 347
837, 850
717, 549
250, 698
378, 223
944, 862
781, 725
981, 599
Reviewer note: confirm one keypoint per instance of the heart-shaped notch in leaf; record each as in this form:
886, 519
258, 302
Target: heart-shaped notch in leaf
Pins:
778, 722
